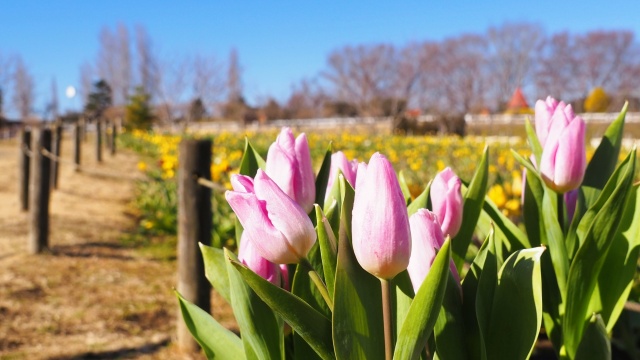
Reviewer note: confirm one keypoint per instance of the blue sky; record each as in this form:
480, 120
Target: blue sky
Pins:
278, 43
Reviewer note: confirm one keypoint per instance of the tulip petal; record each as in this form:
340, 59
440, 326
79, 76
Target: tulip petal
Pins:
281, 168
426, 237
571, 161
305, 187
249, 255
288, 217
252, 214
242, 183
380, 225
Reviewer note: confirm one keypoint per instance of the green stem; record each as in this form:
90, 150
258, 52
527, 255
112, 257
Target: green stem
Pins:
386, 316
318, 282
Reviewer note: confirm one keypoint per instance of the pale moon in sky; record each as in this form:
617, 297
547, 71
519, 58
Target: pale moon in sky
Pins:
71, 92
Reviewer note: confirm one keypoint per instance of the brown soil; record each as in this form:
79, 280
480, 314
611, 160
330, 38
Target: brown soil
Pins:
91, 296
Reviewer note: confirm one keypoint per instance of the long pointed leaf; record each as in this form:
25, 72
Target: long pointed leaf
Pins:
310, 324
216, 341
322, 178
261, 329
595, 344
517, 296
215, 269
425, 308
251, 160
586, 265
472, 207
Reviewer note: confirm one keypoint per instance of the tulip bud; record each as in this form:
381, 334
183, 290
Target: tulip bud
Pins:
289, 165
380, 224
563, 161
278, 227
426, 237
249, 255
571, 200
446, 201
349, 170
543, 112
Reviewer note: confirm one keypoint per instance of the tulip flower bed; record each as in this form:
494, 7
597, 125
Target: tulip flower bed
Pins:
365, 269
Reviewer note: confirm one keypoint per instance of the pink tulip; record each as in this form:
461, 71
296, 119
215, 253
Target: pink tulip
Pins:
289, 165
426, 238
543, 112
284, 271
278, 227
563, 161
571, 200
446, 201
349, 170
380, 224
249, 255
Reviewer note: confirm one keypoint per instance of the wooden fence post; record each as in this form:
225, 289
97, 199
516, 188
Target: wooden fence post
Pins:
39, 191
55, 165
77, 143
114, 135
99, 140
194, 225
24, 162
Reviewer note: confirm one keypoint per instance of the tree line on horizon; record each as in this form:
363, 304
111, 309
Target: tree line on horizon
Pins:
468, 73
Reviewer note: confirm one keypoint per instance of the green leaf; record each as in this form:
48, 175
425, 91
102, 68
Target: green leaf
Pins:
551, 235
589, 259
314, 327
261, 329
357, 310
517, 307
616, 277
595, 344
509, 238
449, 330
216, 341
425, 308
470, 288
402, 295
328, 249
532, 207
604, 160
251, 160
303, 287
421, 202
534, 142
487, 281
472, 207
215, 269
404, 187
323, 177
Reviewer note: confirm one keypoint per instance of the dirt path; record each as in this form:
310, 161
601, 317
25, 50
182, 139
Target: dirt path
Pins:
90, 296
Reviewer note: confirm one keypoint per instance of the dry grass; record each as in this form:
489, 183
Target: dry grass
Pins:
91, 296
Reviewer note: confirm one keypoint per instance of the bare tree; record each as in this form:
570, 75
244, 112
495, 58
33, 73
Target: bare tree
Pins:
234, 77
174, 82
558, 68
86, 82
208, 80
512, 55
459, 79
123, 65
5, 80
362, 74
148, 74
23, 89
306, 101
52, 108
609, 59
114, 62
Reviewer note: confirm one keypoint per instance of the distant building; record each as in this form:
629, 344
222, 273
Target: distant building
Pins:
518, 104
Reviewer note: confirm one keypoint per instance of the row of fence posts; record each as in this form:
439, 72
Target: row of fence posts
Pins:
39, 169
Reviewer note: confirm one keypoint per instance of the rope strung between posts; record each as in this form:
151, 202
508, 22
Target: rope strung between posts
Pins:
27, 151
53, 157
210, 184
